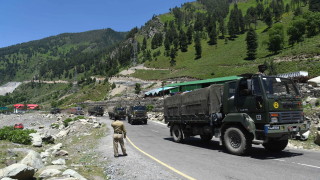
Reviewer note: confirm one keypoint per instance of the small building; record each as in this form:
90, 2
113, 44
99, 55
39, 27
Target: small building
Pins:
159, 91
19, 108
33, 106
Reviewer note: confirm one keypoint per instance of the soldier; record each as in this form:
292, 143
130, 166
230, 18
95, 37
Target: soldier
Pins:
119, 134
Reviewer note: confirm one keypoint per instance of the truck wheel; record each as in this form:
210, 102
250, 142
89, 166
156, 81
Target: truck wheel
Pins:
275, 145
177, 134
206, 137
236, 141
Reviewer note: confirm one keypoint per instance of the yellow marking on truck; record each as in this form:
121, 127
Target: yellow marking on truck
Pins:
276, 105
160, 162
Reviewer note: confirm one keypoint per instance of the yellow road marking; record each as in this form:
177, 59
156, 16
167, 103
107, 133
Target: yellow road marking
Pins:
162, 163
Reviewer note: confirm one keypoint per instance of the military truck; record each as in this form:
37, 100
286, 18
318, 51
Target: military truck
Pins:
96, 111
137, 114
118, 112
255, 109
76, 111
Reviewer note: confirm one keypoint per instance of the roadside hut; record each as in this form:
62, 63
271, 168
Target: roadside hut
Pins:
19, 108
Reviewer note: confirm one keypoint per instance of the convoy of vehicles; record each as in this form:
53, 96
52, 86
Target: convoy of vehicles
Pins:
137, 114
96, 111
255, 109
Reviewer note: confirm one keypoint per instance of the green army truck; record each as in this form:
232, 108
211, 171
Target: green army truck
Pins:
137, 114
255, 109
118, 112
96, 111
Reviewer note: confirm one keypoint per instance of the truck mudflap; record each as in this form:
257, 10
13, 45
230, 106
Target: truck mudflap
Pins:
270, 129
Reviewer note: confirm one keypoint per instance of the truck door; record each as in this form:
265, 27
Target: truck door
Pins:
249, 98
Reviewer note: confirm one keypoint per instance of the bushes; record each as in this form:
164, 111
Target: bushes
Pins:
16, 135
67, 121
149, 107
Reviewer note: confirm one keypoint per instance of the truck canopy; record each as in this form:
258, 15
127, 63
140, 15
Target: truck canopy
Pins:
203, 101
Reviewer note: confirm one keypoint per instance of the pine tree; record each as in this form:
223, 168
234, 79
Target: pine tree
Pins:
173, 54
222, 28
267, 17
252, 44
213, 36
260, 11
144, 44
137, 88
189, 34
183, 41
199, 23
197, 46
314, 5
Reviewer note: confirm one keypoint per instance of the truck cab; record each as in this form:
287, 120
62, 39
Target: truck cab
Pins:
96, 110
272, 108
118, 112
137, 114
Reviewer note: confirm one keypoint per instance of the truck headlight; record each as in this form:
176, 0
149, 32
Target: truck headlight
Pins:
274, 117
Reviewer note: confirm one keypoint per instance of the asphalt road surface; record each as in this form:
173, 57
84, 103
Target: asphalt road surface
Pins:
203, 161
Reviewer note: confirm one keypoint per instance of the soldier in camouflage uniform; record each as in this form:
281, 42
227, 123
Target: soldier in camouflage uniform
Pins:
119, 134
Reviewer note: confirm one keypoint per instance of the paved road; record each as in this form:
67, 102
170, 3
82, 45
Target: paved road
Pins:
205, 161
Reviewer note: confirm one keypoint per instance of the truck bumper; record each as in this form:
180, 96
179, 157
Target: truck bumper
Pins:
141, 119
289, 129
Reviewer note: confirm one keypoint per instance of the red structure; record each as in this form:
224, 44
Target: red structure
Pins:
19, 106
33, 106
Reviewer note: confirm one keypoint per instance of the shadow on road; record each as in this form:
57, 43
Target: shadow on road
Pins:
256, 151
197, 142
262, 154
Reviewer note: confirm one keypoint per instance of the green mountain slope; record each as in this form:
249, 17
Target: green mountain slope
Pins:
58, 57
228, 56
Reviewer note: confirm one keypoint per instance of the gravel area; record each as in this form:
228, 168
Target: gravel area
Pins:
34, 120
134, 166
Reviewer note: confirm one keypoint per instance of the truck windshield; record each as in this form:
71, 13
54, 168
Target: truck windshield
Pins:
120, 109
141, 108
279, 87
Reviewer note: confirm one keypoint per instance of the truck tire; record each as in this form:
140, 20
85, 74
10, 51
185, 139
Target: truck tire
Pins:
275, 145
145, 122
206, 137
236, 141
177, 134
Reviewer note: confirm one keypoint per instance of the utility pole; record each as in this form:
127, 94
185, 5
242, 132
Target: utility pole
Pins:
135, 51
75, 83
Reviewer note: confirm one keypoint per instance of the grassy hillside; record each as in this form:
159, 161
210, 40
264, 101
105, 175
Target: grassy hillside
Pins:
228, 57
56, 94
58, 57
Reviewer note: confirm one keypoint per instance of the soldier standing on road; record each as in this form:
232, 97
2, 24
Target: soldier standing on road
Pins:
119, 134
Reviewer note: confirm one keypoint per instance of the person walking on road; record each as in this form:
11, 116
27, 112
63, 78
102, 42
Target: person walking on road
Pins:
119, 134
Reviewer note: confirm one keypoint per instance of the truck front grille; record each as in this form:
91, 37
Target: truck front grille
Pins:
288, 117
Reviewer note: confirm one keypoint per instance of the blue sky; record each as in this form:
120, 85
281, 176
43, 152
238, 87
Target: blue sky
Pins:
26, 20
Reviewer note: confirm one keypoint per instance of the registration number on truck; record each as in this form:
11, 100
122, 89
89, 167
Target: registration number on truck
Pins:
273, 127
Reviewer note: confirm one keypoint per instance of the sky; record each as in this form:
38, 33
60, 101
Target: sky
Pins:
27, 20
